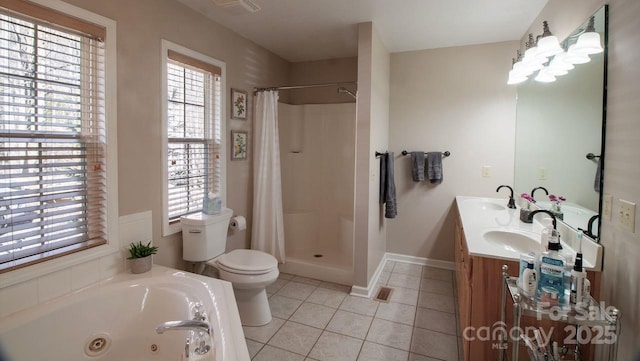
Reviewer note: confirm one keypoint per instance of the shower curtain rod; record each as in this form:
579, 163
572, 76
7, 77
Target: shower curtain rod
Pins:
286, 87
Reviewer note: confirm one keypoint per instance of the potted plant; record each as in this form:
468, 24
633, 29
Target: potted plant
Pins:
140, 257
525, 209
555, 205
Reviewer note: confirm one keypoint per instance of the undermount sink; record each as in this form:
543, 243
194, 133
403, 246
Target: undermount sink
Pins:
486, 204
513, 241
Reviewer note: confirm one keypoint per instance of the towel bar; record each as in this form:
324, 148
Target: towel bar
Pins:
444, 154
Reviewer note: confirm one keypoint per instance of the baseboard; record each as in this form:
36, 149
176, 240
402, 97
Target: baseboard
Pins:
396, 257
367, 292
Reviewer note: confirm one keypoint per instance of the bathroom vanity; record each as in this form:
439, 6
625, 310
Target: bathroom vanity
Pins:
489, 235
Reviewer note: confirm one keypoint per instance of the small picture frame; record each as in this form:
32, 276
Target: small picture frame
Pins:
239, 104
239, 145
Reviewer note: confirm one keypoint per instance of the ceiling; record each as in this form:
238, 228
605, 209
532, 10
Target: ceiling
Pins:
304, 30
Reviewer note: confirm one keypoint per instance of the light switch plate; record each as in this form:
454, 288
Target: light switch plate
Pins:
486, 171
607, 203
542, 173
627, 215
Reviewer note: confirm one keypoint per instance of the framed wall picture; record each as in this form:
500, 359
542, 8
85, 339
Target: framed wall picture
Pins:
238, 104
239, 144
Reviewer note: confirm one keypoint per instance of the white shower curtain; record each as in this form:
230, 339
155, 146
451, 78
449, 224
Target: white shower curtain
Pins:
267, 231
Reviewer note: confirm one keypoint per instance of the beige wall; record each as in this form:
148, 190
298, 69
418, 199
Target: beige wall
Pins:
320, 72
141, 24
371, 135
621, 275
453, 99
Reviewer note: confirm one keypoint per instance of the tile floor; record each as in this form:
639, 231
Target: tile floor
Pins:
315, 320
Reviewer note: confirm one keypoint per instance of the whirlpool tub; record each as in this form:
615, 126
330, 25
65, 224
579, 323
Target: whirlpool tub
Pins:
117, 320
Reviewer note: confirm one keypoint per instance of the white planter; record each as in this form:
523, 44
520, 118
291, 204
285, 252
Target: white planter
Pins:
141, 265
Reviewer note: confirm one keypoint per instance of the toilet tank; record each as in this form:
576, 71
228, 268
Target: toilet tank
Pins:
204, 236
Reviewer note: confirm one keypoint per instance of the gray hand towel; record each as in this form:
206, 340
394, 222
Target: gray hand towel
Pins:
388, 186
434, 167
596, 183
417, 166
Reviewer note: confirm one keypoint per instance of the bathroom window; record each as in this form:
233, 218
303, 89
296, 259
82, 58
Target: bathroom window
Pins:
194, 149
53, 135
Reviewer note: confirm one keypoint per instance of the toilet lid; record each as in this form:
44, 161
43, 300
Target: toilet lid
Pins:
248, 261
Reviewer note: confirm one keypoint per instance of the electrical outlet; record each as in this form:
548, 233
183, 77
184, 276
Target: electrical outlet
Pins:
607, 203
486, 171
627, 215
542, 173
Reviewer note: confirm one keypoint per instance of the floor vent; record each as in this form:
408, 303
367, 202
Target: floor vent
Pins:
384, 294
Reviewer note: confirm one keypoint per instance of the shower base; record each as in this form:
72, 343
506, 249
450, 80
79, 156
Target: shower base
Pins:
331, 267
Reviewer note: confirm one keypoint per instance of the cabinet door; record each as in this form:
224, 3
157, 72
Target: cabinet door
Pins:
463, 271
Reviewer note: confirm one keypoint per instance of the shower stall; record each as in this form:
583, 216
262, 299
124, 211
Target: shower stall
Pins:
317, 153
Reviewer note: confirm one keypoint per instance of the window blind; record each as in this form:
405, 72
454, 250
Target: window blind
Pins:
194, 134
52, 140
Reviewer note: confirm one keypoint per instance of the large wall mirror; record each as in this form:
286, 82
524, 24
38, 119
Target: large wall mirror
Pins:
558, 125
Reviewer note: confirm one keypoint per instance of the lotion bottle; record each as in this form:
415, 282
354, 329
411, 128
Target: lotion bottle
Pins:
529, 280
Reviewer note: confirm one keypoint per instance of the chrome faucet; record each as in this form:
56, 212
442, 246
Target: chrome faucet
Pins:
191, 325
536, 188
512, 202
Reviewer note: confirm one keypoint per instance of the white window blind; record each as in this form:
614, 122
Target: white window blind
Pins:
52, 138
194, 134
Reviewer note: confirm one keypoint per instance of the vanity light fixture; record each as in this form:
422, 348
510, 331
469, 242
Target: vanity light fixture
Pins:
531, 58
548, 44
589, 41
538, 52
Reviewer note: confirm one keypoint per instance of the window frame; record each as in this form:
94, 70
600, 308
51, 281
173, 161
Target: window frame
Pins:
111, 233
166, 47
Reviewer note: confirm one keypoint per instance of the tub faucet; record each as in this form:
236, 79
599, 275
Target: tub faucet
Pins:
191, 325
512, 202
536, 188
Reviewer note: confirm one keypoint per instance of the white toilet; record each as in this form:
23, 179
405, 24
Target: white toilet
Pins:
204, 238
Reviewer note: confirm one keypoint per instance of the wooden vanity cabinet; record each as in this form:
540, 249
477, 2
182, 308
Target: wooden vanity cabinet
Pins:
479, 290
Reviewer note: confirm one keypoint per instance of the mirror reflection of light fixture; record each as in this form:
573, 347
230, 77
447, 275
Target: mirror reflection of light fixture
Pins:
544, 76
548, 44
516, 78
558, 66
573, 57
589, 41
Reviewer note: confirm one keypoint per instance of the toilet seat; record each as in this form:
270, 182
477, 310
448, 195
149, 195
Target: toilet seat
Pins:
247, 261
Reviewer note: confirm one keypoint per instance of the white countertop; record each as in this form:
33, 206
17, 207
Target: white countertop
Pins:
480, 215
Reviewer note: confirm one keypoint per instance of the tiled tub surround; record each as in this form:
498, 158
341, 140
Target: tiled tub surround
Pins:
315, 320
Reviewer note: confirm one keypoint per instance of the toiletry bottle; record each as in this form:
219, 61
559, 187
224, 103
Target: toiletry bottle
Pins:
544, 236
578, 276
580, 284
529, 280
552, 267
